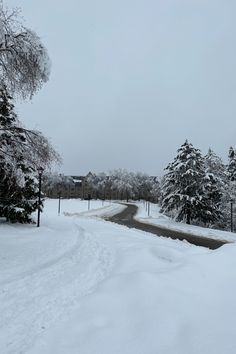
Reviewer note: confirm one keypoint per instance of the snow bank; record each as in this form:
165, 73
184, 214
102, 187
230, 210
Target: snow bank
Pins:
78, 207
158, 219
91, 208
162, 296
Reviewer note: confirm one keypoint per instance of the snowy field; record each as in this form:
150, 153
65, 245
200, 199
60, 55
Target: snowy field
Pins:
158, 219
80, 285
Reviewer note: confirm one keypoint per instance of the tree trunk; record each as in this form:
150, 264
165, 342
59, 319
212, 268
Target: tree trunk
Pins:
188, 218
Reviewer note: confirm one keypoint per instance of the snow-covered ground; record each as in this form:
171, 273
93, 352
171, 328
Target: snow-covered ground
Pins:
158, 219
82, 285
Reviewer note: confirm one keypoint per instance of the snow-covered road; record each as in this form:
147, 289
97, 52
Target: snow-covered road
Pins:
81, 285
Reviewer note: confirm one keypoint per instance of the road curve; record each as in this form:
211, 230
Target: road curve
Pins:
126, 217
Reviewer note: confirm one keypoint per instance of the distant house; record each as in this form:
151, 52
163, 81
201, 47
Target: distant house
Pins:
68, 187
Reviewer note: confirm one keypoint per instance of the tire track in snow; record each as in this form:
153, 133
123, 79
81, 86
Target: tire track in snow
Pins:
32, 302
42, 266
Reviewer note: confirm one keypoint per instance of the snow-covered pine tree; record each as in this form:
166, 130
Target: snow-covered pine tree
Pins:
18, 186
182, 189
230, 195
215, 165
210, 212
215, 188
231, 168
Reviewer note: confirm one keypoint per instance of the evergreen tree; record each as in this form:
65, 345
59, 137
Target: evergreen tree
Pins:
215, 165
183, 188
18, 186
210, 212
215, 187
230, 191
231, 168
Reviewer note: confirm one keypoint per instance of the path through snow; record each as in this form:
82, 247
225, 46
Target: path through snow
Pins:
82, 285
44, 273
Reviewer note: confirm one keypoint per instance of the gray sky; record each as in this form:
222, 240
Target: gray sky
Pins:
132, 79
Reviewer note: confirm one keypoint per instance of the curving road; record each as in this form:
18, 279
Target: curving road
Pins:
126, 217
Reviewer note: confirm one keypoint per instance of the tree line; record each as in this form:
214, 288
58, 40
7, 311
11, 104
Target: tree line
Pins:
125, 185
118, 184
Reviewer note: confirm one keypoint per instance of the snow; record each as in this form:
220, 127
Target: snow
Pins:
159, 219
77, 207
80, 284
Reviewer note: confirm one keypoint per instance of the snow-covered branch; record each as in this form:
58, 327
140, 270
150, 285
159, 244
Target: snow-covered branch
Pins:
24, 62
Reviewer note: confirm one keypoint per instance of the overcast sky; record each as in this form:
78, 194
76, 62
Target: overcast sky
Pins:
132, 79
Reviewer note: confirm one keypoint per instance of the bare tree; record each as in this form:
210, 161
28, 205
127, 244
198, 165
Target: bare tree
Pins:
38, 150
24, 62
